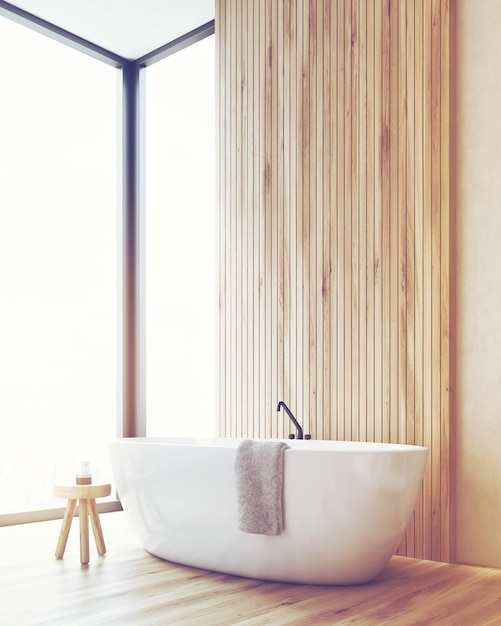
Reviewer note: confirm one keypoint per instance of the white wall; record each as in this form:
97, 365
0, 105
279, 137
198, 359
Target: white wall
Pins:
479, 282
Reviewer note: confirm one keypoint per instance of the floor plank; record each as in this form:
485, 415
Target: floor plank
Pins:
130, 586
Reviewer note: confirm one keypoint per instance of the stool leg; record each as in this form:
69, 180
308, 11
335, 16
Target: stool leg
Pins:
65, 529
84, 532
96, 527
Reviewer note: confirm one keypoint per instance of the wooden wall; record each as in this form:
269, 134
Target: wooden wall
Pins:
334, 196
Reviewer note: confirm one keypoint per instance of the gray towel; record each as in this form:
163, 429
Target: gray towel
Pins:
259, 469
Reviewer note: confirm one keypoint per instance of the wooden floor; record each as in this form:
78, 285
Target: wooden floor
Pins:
129, 586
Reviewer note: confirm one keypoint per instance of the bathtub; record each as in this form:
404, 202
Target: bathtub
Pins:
346, 506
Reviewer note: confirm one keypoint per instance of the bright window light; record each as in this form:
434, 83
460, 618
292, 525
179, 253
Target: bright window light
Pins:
181, 243
58, 266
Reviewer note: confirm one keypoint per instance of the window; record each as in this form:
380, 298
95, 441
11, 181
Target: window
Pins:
181, 243
58, 265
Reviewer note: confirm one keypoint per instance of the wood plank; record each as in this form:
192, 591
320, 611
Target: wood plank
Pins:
372, 264
277, 356
401, 277
347, 226
385, 174
379, 160
419, 378
447, 452
402, 185
341, 274
363, 230
250, 168
291, 135
355, 242
316, 299
320, 211
299, 131
256, 196
261, 216
233, 340
284, 390
129, 585
427, 283
436, 279
306, 206
324, 420
237, 230
393, 257
409, 233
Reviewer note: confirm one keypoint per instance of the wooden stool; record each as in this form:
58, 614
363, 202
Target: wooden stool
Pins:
87, 495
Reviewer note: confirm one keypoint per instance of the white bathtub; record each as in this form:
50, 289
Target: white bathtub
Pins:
346, 506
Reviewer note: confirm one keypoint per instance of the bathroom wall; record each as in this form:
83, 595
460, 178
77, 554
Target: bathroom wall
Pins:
478, 282
334, 196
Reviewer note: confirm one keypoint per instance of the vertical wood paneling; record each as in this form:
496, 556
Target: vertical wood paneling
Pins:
334, 198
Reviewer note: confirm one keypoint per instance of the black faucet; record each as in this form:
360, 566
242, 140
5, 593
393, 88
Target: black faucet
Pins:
293, 419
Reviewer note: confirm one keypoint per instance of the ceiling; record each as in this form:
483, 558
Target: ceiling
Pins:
129, 28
